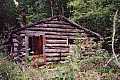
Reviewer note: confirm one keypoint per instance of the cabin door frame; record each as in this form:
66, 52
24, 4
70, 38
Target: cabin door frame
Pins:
43, 45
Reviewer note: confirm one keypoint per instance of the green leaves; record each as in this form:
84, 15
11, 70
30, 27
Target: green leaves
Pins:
36, 9
96, 15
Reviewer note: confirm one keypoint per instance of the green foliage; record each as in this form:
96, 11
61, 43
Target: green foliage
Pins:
104, 69
82, 67
36, 9
7, 14
11, 71
2, 55
97, 15
29, 59
39, 9
94, 13
8, 21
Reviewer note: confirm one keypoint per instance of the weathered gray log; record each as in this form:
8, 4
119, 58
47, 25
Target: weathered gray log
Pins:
57, 50
56, 41
53, 29
57, 22
54, 26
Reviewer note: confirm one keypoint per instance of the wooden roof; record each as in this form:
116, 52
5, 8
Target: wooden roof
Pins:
61, 18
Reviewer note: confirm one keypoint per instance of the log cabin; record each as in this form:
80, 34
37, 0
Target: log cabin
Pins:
51, 39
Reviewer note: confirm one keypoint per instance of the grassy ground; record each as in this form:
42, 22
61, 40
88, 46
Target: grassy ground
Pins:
82, 68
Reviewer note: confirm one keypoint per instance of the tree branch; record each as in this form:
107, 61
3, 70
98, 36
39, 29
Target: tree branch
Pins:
113, 41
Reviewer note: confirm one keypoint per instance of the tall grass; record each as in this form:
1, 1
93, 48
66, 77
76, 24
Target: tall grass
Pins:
11, 71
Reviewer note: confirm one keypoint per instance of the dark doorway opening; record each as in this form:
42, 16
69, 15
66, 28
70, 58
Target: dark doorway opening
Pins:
36, 45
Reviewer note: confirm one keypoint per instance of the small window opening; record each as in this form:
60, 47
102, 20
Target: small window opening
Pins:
71, 41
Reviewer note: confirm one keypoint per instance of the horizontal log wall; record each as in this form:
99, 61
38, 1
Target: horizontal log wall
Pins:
56, 41
56, 34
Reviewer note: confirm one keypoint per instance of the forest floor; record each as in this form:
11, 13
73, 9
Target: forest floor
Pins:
82, 68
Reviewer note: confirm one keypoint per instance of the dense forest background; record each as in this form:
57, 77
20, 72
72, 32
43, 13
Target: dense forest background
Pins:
96, 15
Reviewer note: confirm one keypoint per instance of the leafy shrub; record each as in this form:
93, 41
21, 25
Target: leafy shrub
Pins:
10, 71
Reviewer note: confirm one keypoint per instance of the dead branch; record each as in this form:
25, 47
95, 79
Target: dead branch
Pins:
113, 40
112, 58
